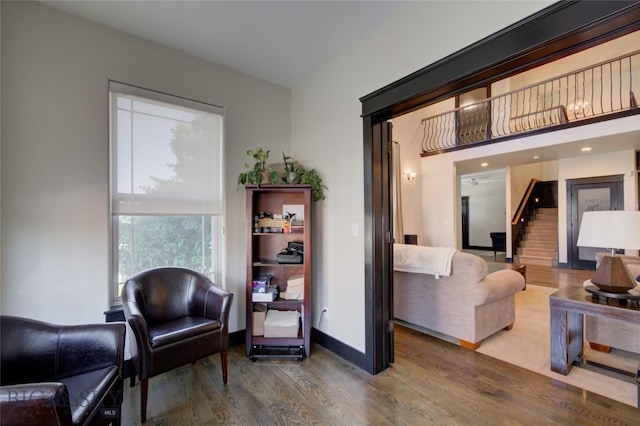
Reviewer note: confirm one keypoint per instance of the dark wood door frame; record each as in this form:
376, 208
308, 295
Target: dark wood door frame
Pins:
616, 184
557, 31
465, 221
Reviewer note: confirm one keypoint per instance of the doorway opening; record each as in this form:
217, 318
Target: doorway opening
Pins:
560, 30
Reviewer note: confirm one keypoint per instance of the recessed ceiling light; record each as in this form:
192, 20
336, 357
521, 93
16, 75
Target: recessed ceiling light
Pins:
586, 149
484, 164
536, 157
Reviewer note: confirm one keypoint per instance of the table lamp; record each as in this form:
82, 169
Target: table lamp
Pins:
611, 229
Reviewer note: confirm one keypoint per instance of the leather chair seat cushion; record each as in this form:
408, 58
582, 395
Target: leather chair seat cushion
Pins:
87, 390
180, 329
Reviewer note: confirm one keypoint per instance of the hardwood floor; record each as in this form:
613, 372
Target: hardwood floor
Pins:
431, 382
549, 276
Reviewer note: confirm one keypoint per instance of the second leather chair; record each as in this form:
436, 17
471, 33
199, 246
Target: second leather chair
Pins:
177, 316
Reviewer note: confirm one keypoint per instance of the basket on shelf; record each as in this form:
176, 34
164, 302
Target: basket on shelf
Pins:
268, 222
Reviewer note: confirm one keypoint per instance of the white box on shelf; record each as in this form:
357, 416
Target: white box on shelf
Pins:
259, 315
295, 288
281, 323
268, 296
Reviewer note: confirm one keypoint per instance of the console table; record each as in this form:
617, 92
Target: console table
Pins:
568, 306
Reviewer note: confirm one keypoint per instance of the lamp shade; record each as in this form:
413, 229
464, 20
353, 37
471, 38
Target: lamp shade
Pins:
612, 229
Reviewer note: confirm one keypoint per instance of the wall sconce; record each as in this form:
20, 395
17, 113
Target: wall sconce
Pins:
411, 176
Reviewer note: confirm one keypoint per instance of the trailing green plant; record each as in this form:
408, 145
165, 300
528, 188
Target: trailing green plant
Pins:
260, 171
311, 177
304, 176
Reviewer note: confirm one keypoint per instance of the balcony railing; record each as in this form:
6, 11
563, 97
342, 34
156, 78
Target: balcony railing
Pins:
594, 91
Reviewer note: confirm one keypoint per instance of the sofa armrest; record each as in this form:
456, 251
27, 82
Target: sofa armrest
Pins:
84, 348
35, 404
497, 285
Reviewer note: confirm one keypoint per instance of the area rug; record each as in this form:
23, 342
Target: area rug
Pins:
527, 345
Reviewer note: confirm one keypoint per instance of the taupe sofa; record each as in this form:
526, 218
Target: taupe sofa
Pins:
468, 304
604, 333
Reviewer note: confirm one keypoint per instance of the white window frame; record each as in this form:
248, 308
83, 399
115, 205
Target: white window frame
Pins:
218, 241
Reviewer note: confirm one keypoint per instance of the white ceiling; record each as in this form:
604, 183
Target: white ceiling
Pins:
278, 41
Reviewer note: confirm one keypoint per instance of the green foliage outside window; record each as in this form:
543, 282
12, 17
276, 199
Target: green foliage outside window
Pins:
150, 241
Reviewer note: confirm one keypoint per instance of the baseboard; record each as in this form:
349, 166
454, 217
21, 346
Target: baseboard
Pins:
237, 338
480, 248
351, 355
564, 266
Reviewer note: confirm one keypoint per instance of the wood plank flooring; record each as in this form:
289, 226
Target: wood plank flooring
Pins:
431, 382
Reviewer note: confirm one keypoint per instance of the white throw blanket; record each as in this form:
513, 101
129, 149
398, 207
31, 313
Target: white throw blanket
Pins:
423, 260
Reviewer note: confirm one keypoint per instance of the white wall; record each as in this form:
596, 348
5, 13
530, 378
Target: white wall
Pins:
487, 210
327, 132
55, 154
410, 140
521, 176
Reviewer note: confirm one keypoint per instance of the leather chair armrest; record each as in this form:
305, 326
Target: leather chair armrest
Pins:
141, 330
84, 348
35, 404
212, 302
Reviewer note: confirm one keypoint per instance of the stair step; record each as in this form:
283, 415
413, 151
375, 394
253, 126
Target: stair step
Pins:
539, 243
545, 218
547, 210
550, 253
541, 231
543, 225
548, 245
535, 260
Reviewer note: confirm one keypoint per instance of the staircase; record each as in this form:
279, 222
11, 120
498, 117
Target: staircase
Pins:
539, 245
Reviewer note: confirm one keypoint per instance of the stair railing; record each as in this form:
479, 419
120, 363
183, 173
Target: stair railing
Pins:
524, 214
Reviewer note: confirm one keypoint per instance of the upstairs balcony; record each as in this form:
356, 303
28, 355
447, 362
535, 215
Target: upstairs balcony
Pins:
602, 91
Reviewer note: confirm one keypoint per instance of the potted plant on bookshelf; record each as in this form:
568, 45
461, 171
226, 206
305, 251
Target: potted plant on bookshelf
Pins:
296, 173
260, 172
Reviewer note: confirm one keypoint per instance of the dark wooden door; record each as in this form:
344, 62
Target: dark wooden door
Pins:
379, 303
387, 185
465, 222
589, 194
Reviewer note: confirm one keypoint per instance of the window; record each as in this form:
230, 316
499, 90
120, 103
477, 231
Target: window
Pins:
166, 183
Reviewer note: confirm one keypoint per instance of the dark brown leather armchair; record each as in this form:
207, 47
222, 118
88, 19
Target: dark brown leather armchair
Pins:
177, 316
60, 375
